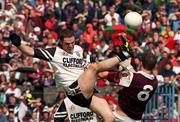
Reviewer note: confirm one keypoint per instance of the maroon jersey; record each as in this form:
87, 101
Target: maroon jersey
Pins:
133, 99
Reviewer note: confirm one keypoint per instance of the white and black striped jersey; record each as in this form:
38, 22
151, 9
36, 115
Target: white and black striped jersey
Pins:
67, 67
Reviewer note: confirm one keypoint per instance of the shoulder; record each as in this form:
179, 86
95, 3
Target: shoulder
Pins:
52, 49
17, 90
107, 15
78, 48
59, 49
78, 51
116, 14
146, 75
145, 78
45, 53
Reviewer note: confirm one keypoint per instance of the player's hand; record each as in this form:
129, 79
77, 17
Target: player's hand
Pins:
121, 53
126, 63
15, 39
126, 45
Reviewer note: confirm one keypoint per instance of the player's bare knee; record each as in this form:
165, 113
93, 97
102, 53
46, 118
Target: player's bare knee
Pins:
93, 67
112, 118
109, 118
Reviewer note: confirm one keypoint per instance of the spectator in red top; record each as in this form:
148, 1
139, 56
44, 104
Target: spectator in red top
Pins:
89, 34
101, 83
170, 42
37, 13
111, 98
1, 42
51, 22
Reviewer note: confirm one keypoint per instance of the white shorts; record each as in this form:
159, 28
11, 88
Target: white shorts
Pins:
120, 118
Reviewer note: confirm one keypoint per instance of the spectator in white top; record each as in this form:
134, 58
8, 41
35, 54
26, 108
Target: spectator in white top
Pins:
112, 15
103, 46
5, 69
33, 36
46, 115
23, 108
13, 90
159, 77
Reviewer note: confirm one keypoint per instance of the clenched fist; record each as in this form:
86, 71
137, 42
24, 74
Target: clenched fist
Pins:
15, 39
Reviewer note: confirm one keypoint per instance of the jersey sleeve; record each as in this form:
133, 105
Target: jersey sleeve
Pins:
79, 50
122, 78
126, 79
113, 76
45, 54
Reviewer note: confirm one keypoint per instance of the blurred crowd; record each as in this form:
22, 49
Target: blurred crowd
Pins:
40, 22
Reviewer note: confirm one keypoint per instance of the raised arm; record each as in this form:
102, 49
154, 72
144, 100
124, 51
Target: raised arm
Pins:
26, 50
45, 54
16, 40
111, 76
122, 78
127, 65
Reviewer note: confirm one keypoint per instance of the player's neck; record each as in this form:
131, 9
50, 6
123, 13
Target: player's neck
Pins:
146, 71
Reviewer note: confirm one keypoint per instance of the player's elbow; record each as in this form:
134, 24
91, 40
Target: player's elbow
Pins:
26, 50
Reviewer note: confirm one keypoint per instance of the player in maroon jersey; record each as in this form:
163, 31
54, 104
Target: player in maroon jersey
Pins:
138, 87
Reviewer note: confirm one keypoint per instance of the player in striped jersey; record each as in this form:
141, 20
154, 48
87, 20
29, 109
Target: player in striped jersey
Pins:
68, 65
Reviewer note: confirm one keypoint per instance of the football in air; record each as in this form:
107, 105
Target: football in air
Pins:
133, 19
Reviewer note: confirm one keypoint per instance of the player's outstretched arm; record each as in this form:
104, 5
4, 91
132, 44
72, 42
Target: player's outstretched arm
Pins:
127, 65
16, 41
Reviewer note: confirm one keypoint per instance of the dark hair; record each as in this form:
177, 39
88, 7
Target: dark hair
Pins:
66, 33
148, 61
